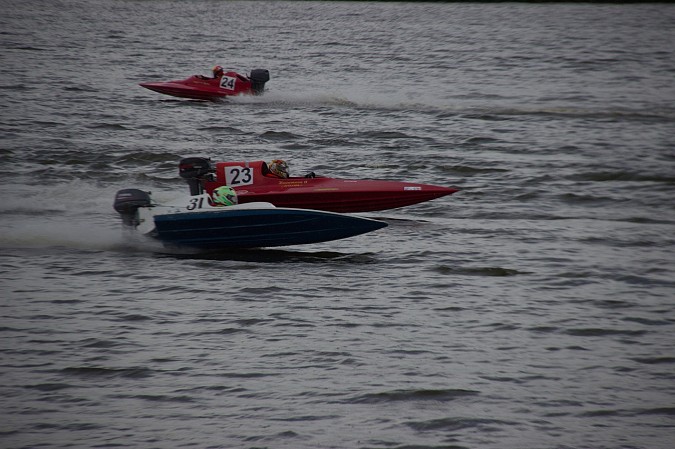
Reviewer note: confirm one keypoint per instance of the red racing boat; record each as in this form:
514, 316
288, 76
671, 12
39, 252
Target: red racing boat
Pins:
254, 181
201, 87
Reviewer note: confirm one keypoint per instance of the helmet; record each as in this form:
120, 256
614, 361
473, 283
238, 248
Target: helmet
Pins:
218, 70
224, 196
279, 168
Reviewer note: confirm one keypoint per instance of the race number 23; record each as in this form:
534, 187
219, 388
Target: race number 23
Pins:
238, 176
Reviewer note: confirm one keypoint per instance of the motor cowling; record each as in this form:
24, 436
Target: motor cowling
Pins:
194, 170
258, 79
127, 202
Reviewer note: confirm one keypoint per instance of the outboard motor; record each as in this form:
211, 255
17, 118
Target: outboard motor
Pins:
128, 201
194, 170
258, 79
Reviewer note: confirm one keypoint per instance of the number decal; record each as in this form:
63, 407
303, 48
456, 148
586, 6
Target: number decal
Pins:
238, 176
227, 82
195, 203
202, 201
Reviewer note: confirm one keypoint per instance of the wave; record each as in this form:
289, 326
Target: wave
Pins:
477, 271
483, 107
413, 395
106, 372
73, 215
459, 423
621, 175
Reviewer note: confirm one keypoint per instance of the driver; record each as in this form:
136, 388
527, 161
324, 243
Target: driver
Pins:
224, 196
218, 71
279, 168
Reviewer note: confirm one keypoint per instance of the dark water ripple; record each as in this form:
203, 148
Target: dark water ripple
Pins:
532, 309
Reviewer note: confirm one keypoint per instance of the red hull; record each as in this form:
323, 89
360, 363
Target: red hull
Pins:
329, 194
200, 87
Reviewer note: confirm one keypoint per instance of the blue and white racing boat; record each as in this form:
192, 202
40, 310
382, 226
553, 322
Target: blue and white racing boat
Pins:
195, 221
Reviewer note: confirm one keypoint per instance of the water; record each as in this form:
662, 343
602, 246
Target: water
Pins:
533, 309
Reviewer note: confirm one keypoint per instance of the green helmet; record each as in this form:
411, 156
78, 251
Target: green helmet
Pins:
224, 196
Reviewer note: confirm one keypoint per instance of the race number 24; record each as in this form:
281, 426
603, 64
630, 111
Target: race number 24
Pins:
227, 82
238, 176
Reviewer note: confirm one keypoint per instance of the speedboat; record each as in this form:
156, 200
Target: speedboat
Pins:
196, 222
200, 87
254, 182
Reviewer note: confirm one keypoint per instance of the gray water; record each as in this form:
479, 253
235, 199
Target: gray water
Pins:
532, 309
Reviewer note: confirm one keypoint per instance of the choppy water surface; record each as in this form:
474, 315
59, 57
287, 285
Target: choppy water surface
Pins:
533, 309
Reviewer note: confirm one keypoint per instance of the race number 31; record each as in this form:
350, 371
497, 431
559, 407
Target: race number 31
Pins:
238, 176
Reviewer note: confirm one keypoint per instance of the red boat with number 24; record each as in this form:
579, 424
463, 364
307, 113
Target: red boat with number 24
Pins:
227, 84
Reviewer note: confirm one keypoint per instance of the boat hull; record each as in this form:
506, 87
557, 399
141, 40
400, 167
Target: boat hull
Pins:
199, 87
344, 196
320, 193
196, 221
258, 228
176, 89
